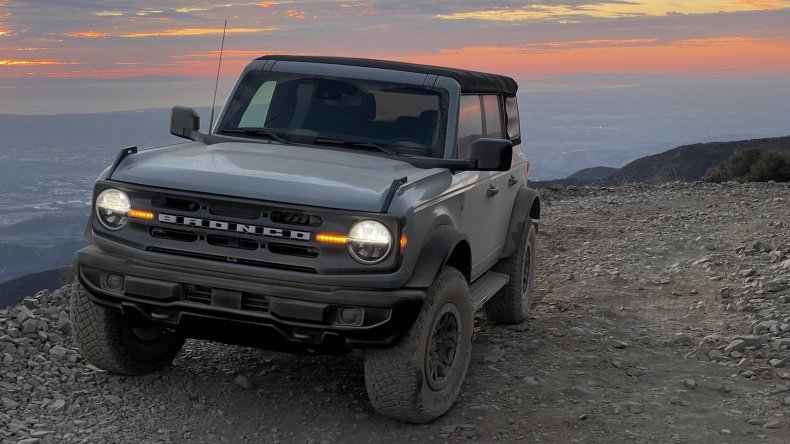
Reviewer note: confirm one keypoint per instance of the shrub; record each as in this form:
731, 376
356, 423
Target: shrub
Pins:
752, 166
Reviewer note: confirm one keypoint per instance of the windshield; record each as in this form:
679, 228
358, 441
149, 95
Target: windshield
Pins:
400, 119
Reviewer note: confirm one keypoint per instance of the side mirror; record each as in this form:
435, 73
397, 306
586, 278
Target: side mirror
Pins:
185, 122
491, 154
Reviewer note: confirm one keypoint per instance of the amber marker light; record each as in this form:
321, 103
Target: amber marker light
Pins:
141, 214
337, 239
403, 241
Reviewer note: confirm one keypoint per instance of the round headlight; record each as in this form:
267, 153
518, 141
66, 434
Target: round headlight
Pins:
112, 208
369, 242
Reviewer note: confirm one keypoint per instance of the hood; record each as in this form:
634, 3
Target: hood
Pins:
277, 173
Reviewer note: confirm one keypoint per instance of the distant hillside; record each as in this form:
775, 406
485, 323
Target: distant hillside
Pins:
686, 163
594, 173
15, 290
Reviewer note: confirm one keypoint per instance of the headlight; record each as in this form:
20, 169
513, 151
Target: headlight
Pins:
369, 242
112, 207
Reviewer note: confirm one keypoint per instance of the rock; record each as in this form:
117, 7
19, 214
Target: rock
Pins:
113, 399
753, 340
243, 382
8, 403
747, 374
764, 245
449, 428
495, 356
738, 345
29, 326
725, 432
531, 381
786, 401
778, 363
29, 441
24, 314
690, 383
30, 303
619, 344
635, 409
775, 285
57, 405
772, 424
64, 323
58, 352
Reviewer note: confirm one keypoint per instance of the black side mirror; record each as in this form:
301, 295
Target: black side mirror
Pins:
491, 154
185, 122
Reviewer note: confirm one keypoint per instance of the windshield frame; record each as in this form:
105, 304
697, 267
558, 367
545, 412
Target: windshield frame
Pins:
251, 80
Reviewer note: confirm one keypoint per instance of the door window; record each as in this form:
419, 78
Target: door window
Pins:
470, 123
493, 117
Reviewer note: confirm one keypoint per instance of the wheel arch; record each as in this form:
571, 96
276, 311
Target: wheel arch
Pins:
445, 246
525, 208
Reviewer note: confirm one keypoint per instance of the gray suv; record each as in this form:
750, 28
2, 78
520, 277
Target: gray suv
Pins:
339, 204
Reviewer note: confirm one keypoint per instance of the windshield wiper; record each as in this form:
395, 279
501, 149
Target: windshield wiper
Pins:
255, 132
352, 144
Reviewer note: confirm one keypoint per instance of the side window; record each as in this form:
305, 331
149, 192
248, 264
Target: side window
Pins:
470, 123
255, 114
493, 117
513, 124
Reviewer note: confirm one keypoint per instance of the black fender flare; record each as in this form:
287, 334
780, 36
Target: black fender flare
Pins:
434, 255
526, 207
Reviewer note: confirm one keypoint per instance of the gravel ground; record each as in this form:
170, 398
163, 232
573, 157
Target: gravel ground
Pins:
661, 315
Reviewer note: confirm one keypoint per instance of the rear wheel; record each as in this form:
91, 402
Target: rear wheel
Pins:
109, 341
512, 303
419, 379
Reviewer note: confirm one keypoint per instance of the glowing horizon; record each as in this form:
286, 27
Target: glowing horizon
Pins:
40, 38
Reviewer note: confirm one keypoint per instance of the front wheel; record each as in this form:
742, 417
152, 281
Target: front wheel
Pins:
512, 302
419, 379
109, 341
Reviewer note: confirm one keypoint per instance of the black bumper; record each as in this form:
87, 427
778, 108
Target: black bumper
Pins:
259, 312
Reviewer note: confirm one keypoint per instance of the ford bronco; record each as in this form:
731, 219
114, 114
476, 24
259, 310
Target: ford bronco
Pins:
339, 204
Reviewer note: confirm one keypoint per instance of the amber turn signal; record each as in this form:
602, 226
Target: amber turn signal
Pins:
326, 238
141, 214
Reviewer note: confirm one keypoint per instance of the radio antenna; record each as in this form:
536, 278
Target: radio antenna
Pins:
216, 83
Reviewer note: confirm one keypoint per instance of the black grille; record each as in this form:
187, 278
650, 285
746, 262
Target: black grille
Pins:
172, 203
238, 211
255, 303
173, 234
194, 293
218, 258
283, 217
232, 242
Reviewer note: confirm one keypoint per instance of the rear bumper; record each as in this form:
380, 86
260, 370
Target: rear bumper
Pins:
260, 312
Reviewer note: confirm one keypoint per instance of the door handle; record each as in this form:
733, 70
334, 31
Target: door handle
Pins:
512, 181
492, 191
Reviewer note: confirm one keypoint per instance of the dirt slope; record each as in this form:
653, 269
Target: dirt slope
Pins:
642, 296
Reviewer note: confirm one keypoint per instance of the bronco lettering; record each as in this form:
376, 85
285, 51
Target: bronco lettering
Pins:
238, 228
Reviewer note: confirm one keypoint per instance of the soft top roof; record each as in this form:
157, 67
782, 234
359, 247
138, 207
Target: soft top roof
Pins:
470, 81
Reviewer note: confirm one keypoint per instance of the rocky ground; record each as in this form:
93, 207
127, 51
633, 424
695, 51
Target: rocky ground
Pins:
661, 315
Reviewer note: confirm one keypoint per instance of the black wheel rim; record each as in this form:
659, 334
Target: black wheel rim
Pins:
443, 347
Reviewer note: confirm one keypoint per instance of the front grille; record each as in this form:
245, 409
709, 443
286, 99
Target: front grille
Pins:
213, 257
173, 234
283, 217
249, 302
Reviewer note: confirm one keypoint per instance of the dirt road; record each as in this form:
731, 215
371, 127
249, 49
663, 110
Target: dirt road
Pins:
661, 315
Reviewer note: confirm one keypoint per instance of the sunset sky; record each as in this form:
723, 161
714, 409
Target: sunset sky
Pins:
127, 38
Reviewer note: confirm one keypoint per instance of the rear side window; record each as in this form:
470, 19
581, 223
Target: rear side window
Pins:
470, 123
513, 124
493, 117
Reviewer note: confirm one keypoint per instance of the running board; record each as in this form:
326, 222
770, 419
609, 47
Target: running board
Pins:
485, 287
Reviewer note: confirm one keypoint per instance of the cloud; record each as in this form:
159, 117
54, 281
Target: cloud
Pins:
21, 62
295, 13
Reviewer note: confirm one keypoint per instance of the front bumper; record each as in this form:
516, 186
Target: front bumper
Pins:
260, 312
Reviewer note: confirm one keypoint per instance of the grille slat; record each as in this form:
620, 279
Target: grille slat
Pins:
249, 302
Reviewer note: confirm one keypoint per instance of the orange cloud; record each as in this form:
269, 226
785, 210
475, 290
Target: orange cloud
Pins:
295, 13
266, 4
88, 34
18, 62
197, 32
732, 54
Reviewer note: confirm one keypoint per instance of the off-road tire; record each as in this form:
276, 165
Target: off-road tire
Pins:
108, 340
396, 378
511, 303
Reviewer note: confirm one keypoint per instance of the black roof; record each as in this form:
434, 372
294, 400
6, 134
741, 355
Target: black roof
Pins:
470, 81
